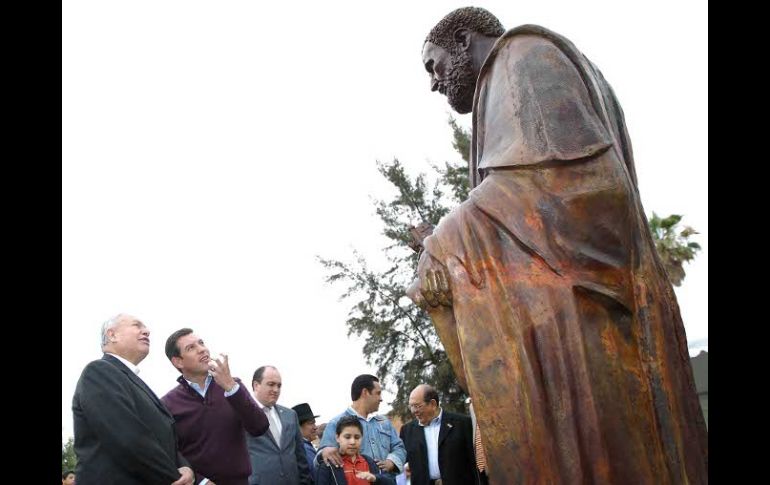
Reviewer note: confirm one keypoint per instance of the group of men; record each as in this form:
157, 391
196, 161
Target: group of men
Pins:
208, 430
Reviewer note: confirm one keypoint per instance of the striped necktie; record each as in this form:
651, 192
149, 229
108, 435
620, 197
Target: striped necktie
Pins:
481, 459
274, 430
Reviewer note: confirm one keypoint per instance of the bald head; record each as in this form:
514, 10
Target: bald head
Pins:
423, 402
424, 392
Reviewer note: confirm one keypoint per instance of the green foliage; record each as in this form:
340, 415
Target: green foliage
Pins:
673, 245
461, 141
399, 337
413, 204
68, 458
455, 176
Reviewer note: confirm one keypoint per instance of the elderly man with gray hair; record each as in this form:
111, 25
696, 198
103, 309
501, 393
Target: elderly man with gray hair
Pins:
123, 433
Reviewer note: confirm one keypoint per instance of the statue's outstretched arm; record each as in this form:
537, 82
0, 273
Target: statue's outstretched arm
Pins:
432, 282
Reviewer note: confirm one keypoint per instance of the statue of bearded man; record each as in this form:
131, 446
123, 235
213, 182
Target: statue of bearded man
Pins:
544, 286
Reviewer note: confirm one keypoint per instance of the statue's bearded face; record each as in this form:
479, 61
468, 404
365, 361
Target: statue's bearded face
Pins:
451, 74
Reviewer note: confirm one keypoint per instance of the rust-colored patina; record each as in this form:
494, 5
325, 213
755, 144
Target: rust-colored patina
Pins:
546, 290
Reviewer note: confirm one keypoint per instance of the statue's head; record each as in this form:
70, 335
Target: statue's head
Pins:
454, 51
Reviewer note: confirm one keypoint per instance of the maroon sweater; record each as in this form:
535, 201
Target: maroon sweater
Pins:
210, 430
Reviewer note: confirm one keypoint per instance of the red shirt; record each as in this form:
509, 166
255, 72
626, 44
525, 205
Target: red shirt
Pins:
350, 467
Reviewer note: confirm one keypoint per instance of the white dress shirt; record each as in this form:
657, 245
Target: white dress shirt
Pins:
206, 384
431, 431
130, 365
272, 417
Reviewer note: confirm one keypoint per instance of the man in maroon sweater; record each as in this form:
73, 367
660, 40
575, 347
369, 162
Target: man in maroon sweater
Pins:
212, 409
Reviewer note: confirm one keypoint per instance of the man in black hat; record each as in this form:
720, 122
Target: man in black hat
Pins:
309, 432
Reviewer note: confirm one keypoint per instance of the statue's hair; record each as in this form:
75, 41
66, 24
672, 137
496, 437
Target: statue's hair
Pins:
473, 18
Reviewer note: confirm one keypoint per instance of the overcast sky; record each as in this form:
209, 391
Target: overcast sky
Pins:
212, 149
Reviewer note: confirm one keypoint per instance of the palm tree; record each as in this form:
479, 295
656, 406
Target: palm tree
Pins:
673, 245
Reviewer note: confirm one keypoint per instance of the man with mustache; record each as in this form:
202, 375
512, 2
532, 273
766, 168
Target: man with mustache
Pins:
544, 286
213, 412
123, 433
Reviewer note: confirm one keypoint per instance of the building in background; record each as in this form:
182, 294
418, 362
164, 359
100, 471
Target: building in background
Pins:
700, 370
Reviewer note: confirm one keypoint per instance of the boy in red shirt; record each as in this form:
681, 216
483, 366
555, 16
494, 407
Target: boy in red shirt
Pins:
356, 469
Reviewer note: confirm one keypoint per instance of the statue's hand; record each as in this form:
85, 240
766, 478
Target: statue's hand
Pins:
414, 293
434, 287
431, 287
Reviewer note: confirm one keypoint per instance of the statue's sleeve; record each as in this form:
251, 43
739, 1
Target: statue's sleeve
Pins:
445, 324
535, 107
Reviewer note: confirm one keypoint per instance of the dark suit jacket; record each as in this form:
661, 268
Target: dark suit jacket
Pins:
279, 464
456, 459
123, 433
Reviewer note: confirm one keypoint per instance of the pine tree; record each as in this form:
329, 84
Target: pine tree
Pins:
68, 457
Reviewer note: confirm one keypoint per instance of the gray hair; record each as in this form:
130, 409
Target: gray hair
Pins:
108, 325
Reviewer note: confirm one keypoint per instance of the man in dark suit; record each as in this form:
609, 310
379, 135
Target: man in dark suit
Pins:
278, 456
439, 444
123, 433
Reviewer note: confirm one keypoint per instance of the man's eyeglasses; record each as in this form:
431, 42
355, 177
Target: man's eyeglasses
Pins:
416, 407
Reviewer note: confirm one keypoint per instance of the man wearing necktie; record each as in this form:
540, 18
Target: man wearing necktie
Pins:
481, 456
277, 457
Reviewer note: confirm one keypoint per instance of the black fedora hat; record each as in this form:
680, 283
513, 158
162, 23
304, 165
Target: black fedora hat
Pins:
304, 413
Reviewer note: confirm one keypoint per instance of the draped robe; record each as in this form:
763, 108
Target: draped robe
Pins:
564, 327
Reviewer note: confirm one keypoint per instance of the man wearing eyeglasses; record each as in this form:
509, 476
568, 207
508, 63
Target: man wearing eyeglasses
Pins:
439, 444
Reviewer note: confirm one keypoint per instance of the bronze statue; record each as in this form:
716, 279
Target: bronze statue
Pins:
544, 286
